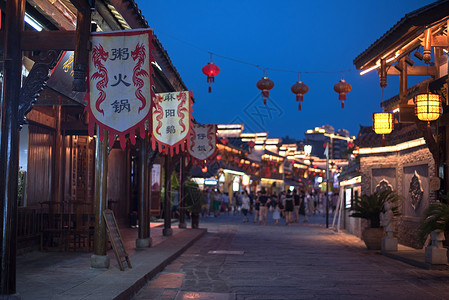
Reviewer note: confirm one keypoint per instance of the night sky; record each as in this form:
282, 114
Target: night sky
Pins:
302, 36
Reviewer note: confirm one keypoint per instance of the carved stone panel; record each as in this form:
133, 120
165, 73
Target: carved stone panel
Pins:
415, 190
383, 179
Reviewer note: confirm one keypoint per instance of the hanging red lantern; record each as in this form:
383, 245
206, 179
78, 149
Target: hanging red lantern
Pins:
265, 84
224, 141
211, 70
299, 88
342, 88
218, 157
204, 170
251, 144
350, 145
236, 160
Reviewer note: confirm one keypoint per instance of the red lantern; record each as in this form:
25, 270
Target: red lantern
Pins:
204, 170
265, 84
211, 70
251, 144
236, 160
218, 157
350, 145
224, 141
342, 88
299, 88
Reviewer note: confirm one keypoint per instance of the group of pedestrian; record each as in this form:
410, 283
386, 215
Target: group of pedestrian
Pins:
288, 205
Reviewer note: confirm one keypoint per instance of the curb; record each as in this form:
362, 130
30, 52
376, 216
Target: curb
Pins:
131, 291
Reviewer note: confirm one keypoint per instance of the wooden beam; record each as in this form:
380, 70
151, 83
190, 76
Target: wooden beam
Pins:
41, 118
60, 14
415, 70
439, 41
44, 40
48, 40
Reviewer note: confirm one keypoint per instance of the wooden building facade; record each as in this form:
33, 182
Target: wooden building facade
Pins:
413, 159
54, 193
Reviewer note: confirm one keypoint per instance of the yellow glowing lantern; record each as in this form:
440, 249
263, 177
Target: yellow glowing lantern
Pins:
383, 123
428, 107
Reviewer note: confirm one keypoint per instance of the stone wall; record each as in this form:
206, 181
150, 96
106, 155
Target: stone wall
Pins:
408, 172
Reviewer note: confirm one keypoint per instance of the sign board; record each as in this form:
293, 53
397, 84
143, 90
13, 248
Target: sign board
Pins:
203, 142
116, 239
120, 83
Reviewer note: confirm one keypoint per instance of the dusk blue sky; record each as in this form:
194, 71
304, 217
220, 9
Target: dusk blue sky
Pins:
304, 36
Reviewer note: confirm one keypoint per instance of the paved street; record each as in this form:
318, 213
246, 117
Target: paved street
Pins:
237, 260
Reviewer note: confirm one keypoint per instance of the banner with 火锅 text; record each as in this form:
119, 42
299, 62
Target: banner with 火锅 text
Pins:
172, 121
120, 83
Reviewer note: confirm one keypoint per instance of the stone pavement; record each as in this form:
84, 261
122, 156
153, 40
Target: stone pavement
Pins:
237, 260
68, 275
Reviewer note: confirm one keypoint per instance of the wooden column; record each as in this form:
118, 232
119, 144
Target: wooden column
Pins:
58, 183
80, 61
167, 198
182, 178
403, 81
99, 259
9, 143
144, 239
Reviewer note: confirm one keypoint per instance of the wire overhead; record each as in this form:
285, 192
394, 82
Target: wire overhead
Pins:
258, 66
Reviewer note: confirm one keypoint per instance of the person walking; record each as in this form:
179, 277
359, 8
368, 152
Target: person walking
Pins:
263, 209
311, 203
256, 206
216, 200
276, 210
302, 206
288, 206
245, 206
297, 203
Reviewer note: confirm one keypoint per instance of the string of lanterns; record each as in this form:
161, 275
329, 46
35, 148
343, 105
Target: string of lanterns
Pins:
266, 84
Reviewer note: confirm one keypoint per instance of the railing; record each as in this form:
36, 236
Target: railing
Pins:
29, 226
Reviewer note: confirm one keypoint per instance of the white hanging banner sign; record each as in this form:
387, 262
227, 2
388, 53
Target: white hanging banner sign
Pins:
120, 83
203, 141
172, 121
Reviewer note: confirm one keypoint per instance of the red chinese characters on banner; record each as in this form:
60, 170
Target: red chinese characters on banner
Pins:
203, 142
120, 81
172, 121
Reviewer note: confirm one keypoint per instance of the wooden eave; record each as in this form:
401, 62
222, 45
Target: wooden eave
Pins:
405, 36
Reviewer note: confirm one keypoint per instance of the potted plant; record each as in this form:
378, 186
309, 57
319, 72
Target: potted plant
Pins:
435, 217
370, 207
193, 201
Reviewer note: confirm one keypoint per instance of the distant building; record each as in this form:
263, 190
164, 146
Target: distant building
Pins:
338, 141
